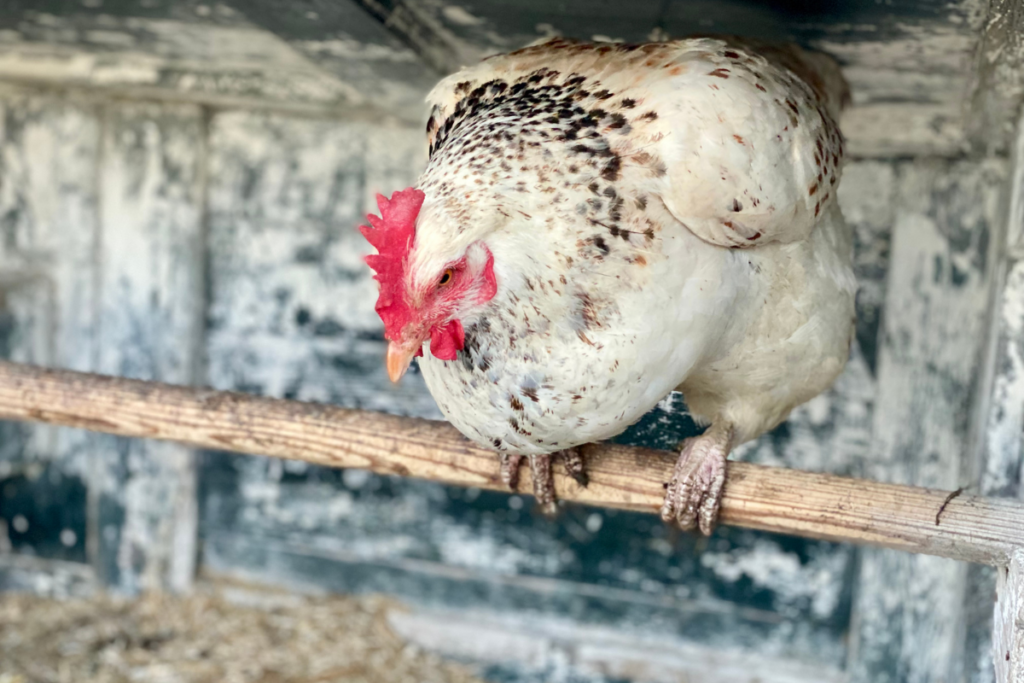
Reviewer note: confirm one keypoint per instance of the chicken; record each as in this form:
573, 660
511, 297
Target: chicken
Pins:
601, 224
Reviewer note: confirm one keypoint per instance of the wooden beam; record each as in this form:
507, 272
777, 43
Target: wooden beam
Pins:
1008, 635
440, 50
943, 523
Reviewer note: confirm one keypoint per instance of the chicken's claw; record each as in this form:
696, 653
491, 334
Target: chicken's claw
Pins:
694, 493
510, 469
573, 460
543, 484
540, 473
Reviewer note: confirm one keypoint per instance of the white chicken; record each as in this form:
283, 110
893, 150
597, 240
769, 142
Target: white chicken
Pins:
600, 224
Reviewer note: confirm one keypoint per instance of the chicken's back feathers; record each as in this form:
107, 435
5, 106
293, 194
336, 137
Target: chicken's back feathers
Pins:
739, 140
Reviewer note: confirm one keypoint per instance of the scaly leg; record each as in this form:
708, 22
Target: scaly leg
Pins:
695, 492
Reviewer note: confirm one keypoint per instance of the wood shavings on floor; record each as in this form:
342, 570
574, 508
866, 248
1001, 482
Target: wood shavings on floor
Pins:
227, 635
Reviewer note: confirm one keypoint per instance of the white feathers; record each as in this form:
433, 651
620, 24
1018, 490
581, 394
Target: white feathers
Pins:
610, 182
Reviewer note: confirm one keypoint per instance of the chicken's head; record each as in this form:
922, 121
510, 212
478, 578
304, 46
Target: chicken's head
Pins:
427, 302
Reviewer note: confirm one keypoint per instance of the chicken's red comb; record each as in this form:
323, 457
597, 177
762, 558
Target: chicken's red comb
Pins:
392, 235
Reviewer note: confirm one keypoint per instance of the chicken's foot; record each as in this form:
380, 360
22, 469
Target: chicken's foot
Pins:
540, 473
573, 460
694, 493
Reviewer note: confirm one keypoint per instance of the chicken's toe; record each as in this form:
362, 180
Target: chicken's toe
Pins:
678, 507
714, 475
510, 469
694, 494
543, 484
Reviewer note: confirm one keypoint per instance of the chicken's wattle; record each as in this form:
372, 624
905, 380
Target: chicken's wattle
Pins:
447, 341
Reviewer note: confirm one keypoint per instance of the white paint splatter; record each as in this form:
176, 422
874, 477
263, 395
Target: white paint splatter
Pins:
347, 48
355, 479
460, 16
771, 568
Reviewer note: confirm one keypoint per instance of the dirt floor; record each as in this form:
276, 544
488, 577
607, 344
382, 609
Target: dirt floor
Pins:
216, 635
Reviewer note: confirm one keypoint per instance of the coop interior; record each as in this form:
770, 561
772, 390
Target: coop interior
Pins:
180, 185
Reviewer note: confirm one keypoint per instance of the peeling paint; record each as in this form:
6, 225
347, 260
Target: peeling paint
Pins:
1002, 473
292, 309
458, 15
930, 347
783, 573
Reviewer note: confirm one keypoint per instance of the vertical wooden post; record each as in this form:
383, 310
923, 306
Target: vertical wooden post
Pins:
997, 420
149, 326
1008, 633
932, 336
49, 291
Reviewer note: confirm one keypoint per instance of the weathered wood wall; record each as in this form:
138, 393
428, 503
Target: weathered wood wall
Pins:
191, 220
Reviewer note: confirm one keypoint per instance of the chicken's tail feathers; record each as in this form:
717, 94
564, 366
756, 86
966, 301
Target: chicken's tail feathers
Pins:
818, 70
823, 73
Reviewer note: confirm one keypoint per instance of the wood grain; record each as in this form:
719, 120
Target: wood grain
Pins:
1008, 634
969, 528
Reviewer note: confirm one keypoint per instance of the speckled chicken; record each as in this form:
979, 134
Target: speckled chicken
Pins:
600, 224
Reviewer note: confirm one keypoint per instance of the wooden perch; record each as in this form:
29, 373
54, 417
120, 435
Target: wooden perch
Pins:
944, 523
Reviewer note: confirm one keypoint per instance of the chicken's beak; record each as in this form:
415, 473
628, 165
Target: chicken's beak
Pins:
399, 358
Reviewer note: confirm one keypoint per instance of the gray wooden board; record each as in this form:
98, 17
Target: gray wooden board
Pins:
291, 315
910, 610
49, 147
150, 327
333, 59
291, 309
999, 81
507, 644
998, 414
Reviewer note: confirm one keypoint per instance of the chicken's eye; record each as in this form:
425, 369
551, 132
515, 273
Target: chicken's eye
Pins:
445, 278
